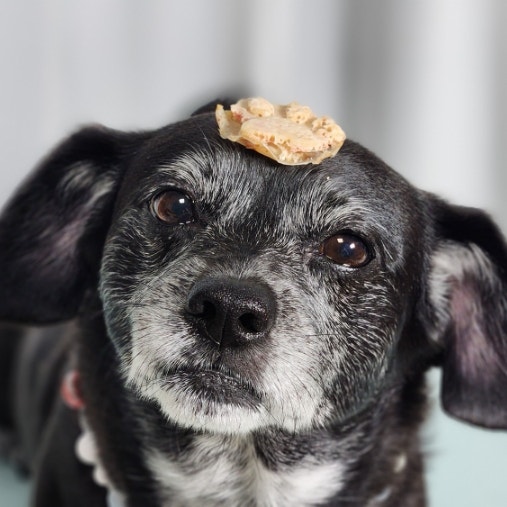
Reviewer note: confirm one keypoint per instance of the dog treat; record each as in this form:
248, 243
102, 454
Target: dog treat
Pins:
290, 134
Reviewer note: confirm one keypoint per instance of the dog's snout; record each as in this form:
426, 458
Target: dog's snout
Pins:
232, 312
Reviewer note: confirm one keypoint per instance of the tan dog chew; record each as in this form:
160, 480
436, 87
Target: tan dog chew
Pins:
290, 134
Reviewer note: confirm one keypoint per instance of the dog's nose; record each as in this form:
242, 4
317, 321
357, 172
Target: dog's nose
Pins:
232, 312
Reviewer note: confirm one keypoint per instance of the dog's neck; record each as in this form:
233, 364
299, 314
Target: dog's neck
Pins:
231, 471
337, 466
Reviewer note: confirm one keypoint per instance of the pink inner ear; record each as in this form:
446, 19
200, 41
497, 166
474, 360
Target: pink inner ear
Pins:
473, 349
58, 242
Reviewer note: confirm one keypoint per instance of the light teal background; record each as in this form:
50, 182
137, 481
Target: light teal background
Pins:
14, 492
466, 466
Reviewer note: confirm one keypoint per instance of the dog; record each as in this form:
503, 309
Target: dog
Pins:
205, 326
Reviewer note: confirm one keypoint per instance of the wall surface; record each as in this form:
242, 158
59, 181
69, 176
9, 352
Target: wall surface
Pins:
422, 83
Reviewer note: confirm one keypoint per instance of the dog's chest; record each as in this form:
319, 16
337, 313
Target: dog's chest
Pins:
223, 471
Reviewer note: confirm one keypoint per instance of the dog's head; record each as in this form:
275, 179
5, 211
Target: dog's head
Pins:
241, 294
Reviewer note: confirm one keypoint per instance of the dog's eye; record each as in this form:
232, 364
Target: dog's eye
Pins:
173, 207
347, 250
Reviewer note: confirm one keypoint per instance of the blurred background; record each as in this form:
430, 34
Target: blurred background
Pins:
423, 83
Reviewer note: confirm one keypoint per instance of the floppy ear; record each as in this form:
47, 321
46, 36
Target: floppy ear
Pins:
468, 293
52, 230
211, 106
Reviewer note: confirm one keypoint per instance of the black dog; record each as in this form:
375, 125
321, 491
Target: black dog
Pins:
240, 333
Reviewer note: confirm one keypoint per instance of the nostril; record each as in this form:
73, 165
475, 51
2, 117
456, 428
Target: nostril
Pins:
199, 306
208, 311
252, 323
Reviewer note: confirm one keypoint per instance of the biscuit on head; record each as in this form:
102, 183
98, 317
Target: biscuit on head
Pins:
290, 134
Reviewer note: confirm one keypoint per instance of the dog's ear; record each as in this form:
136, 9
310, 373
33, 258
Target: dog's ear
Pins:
52, 230
468, 296
211, 106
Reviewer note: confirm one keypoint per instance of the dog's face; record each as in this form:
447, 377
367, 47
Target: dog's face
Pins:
242, 294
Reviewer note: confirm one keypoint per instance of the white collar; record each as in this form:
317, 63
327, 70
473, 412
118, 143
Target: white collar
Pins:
87, 452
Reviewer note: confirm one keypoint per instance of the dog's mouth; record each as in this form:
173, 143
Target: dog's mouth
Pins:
212, 385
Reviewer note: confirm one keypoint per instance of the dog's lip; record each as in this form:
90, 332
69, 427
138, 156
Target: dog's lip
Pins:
223, 385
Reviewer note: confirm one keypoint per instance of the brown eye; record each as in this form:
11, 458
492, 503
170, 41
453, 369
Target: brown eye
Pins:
173, 207
346, 250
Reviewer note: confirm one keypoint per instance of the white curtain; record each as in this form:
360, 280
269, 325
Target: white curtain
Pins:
421, 82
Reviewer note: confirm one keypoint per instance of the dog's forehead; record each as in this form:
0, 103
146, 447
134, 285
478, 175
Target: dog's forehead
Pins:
191, 155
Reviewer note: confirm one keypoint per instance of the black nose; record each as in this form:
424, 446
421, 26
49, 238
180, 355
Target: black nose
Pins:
231, 312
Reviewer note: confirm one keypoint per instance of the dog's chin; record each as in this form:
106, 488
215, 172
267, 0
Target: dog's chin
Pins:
210, 401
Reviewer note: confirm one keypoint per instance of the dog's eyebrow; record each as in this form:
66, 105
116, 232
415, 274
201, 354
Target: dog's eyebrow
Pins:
215, 172
186, 169
199, 164
328, 204
351, 211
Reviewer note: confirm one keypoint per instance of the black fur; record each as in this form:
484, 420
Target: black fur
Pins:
79, 242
